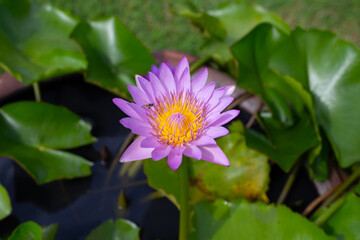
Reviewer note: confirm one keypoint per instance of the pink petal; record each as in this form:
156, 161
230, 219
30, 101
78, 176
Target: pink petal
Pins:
182, 65
126, 108
214, 154
150, 142
174, 160
217, 131
193, 151
225, 117
199, 81
204, 140
167, 78
137, 126
138, 95
157, 86
183, 83
223, 103
136, 152
160, 152
205, 93
146, 87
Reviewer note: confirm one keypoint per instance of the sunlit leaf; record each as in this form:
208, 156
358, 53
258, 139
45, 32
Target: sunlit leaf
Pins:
5, 204
329, 68
32, 133
114, 54
247, 176
28, 231
345, 222
34, 42
115, 230
230, 22
257, 221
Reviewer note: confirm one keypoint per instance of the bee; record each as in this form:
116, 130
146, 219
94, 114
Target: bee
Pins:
148, 106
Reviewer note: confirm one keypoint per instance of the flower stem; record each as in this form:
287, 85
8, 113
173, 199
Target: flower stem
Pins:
330, 211
37, 92
184, 200
355, 175
289, 183
199, 63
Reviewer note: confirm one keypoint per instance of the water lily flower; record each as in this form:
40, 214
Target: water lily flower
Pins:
175, 116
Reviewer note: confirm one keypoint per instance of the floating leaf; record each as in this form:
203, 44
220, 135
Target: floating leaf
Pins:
329, 68
345, 222
247, 176
31, 133
257, 221
114, 54
49, 232
114, 230
28, 231
292, 112
5, 204
227, 24
34, 42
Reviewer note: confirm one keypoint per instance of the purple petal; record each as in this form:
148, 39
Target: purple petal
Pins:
205, 92
146, 87
217, 131
193, 151
174, 160
167, 78
223, 103
183, 83
212, 153
150, 142
126, 108
204, 140
182, 65
138, 95
139, 110
199, 81
137, 126
225, 117
136, 152
155, 70
160, 152
157, 86
229, 90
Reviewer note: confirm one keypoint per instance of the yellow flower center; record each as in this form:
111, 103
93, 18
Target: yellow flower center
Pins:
177, 120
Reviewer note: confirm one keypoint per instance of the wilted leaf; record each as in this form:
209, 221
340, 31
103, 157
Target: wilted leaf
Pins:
31, 133
257, 221
114, 54
227, 24
34, 43
329, 68
110, 230
5, 204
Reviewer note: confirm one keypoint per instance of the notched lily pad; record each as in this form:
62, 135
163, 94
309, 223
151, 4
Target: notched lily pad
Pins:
33, 133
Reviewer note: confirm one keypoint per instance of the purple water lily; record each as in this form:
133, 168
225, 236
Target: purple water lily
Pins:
175, 116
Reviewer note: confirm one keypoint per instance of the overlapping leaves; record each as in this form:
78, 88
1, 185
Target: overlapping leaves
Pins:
32, 134
247, 177
31, 230
34, 43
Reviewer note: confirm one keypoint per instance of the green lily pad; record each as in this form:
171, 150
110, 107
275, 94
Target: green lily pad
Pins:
292, 112
5, 203
114, 54
28, 230
49, 232
329, 68
32, 133
257, 221
34, 42
230, 22
115, 230
247, 176
345, 222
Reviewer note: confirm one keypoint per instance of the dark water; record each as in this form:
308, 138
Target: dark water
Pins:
82, 204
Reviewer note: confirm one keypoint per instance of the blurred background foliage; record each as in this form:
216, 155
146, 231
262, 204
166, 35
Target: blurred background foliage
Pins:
147, 18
